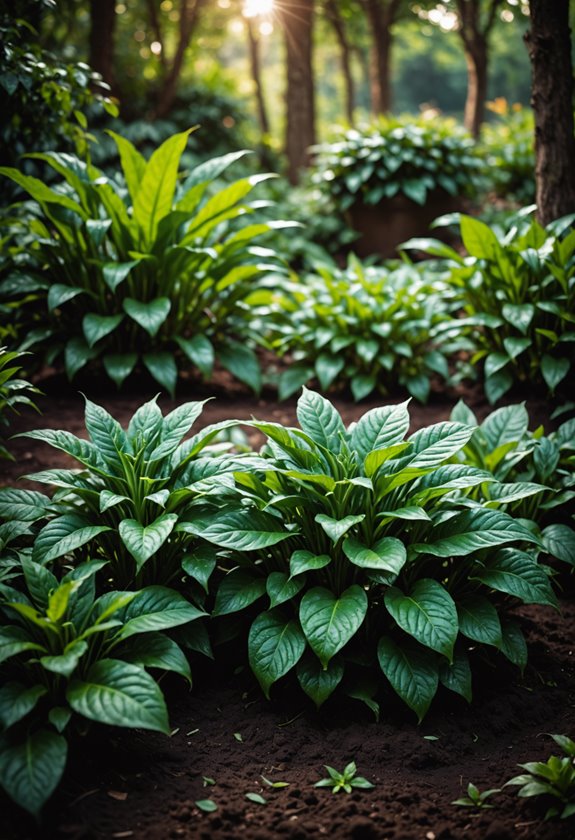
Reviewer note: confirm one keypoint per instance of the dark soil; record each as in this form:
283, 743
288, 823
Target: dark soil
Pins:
133, 784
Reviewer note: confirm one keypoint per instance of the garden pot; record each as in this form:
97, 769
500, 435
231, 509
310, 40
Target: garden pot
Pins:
384, 226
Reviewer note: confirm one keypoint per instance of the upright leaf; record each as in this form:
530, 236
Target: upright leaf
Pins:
329, 621
274, 646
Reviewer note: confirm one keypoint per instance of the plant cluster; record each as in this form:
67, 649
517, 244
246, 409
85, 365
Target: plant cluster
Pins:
148, 272
14, 392
361, 557
398, 157
517, 292
370, 327
553, 779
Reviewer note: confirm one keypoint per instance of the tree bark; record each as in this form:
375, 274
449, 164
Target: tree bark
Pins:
297, 21
381, 14
335, 18
255, 63
101, 46
189, 15
474, 30
549, 47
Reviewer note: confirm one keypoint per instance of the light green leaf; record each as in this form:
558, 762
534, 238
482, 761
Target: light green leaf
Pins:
63, 535
319, 419
115, 273
275, 646
66, 662
380, 428
478, 238
337, 528
434, 444
105, 433
519, 315
150, 316
329, 622
143, 542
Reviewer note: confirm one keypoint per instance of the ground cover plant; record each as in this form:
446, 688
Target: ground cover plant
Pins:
517, 293
553, 779
398, 156
374, 328
152, 271
370, 557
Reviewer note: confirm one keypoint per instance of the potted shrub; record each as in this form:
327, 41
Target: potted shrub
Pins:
393, 177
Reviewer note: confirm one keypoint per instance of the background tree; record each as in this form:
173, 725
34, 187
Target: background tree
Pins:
382, 15
549, 45
337, 19
102, 27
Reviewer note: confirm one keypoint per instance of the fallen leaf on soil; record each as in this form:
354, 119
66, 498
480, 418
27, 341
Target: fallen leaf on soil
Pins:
120, 795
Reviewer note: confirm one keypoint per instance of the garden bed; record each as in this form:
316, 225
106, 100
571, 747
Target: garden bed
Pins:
144, 785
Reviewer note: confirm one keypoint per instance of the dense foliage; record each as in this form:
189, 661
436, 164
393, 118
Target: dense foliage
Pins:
508, 146
14, 391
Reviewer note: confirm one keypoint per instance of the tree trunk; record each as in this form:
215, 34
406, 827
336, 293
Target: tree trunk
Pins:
476, 58
381, 14
189, 14
549, 46
102, 26
297, 22
336, 21
254, 45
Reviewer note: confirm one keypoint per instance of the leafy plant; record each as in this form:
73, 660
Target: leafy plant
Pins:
553, 778
372, 328
372, 558
535, 472
158, 274
68, 655
397, 156
475, 798
133, 498
13, 392
517, 292
345, 781
507, 144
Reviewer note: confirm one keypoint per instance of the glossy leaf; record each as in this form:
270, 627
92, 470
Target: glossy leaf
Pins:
274, 646
427, 613
329, 622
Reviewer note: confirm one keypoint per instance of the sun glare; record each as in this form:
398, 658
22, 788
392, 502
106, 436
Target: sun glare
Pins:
258, 8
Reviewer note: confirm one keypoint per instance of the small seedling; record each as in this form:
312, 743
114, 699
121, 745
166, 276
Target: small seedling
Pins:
274, 784
206, 805
344, 781
208, 781
474, 798
238, 736
555, 777
256, 797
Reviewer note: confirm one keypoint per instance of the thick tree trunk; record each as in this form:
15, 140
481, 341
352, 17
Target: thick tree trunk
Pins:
337, 22
189, 14
476, 59
255, 63
381, 18
297, 19
549, 46
102, 26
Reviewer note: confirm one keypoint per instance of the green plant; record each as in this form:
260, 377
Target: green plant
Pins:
363, 555
372, 328
475, 798
553, 778
131, 501
157, 274
13, 392
517, 292
397, 156
507, 145
67, 655
345, 781
536, 479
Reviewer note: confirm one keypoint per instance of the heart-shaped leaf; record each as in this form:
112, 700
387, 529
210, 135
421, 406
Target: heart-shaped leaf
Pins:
275, 646
142, 542
329, 621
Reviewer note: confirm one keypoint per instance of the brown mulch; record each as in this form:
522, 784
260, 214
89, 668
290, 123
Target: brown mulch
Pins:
141, 785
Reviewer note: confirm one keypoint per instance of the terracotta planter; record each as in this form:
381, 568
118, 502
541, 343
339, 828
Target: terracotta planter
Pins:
394, 220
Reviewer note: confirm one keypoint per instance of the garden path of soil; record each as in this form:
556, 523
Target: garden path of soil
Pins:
132, 784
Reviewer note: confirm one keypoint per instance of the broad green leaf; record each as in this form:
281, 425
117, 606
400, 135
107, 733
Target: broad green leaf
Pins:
327, 369
478, 620
559, 542
200, 352
163, 368
319, 419
15, 640
115, 273
242, 363
119, 694
318, 682
362, 384
155, 195
133, 163
434, 444
380, 428
16, 700
157, 608
411, 513
66, 662
275, 647
497, 384
105, 433
109, 500
142, 542
62, 536
478, 238
427, 613
31, 771
24, 505
449, 477
412, 672
378, 457
457, 676
513, 645
77, 354
41, 582
517, 573
150, 316
293, 379
329, 621
387, 554
519, 315
40, 192
177, 424
200, 564
59, 294
304, 561
237, 591
553, 370
280, 588
504, 425
249, 530
337, 528
472, 530
96, 327
156, 650
119, 366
